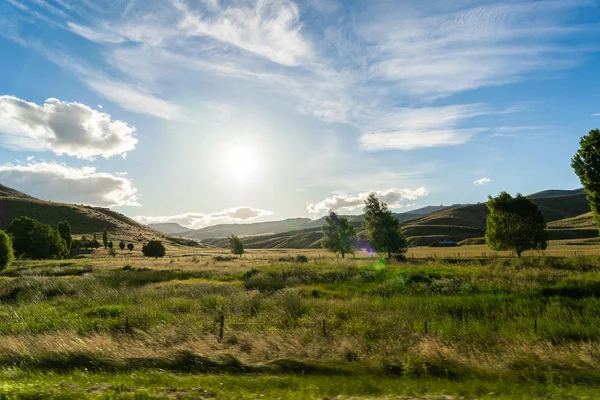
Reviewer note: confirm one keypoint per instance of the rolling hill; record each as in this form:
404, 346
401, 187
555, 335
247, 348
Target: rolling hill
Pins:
275, 227
84, 220
568, 216
169, 228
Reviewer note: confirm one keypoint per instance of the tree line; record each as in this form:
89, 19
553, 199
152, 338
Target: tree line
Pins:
28, 238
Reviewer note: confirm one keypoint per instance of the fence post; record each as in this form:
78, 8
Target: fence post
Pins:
324, 327
426, 328
535, 329
221, 325
126, 324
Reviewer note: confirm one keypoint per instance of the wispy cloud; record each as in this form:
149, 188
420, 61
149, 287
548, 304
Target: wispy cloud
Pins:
393, 197
482, 181
59, 182
198, 220
68, 128
130, 97
596, 115
392, 61
411, 128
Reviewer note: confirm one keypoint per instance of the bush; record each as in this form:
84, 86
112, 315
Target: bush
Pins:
301, 258
154, 248
7, 255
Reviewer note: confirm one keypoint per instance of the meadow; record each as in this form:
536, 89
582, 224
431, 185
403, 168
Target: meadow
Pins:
448, 323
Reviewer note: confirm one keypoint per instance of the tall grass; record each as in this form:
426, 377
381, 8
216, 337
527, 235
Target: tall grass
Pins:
532, 320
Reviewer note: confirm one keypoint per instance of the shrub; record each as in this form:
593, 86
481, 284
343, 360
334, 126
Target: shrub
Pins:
130, 246
301, 258
154, 248
7, 255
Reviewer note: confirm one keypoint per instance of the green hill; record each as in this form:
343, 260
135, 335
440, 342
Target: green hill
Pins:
84, 220
451, 223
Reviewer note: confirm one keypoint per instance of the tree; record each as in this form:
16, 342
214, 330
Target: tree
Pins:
105, 238
338, 235
382, 229
236, 245
122, 245
154, 248
586, 164
515, 224
110, 244
85, 243
7, 255
64, 229
130, 246
94, 243
32, 239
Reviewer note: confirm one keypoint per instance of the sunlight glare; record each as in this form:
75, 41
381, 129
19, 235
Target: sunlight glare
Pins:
242, 163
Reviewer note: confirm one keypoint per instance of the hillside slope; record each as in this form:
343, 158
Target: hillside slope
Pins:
469, 221
84, 220
453, 223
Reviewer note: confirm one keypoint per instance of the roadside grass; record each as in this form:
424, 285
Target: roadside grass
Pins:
363, 327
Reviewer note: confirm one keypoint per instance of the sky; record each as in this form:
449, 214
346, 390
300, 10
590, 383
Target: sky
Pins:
211, 111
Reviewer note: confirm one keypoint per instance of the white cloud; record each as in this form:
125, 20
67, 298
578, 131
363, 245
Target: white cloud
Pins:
482, 181
596, 115
411, 128
198, 220
134, 99
58, 182
393, 197
344, 66
269, 28
465, 48
68, 128
95, 35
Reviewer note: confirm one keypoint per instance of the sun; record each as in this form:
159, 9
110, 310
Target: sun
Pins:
242, 163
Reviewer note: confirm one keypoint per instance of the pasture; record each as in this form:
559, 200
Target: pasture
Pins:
203, 324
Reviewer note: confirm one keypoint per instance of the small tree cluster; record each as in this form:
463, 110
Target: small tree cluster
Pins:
32, 239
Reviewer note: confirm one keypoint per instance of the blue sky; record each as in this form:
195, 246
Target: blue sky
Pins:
210, 111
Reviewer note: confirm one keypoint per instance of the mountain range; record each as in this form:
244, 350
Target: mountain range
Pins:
566, 211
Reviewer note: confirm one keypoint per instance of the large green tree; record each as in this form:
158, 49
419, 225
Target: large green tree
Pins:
382, 228
154, 248
7, 255
586, 164
338, 235
32, 239
515, 223
105, 238
236, 245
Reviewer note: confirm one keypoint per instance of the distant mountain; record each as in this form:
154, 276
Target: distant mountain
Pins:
555, 193
450, 223
84, 220
169, 228
258, 228
276, 227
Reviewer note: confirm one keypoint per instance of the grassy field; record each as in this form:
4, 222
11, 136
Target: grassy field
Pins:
449, 327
